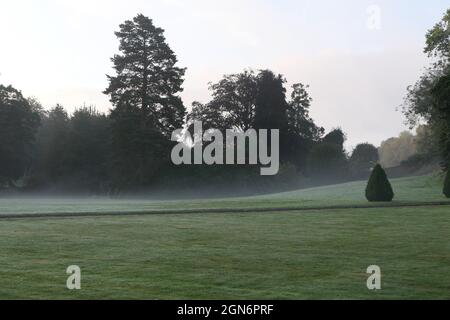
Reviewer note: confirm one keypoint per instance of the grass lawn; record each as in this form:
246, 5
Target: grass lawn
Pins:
316, 254
312, 254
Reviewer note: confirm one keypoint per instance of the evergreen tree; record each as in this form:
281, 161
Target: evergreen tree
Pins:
147, 107
271, 109
379, 188
147, 78
271, 106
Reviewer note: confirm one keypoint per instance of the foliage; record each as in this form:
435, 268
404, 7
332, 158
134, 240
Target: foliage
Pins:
327, 162
378, 187
395, 150
336, 137
424, 101
363, 159
147, 109
19, 121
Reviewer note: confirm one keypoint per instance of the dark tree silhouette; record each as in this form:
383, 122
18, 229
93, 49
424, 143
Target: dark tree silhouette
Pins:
379, 188
144, 94
441, 102
336, 137
271, 106
302, 131
52, 142
327, 163
147, 77
299, 121
18, 124
362, 160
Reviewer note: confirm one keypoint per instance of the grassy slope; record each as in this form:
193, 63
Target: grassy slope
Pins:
312, 254
317, 254
425, 188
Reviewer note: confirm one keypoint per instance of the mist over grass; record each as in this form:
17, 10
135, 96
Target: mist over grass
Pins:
420, 189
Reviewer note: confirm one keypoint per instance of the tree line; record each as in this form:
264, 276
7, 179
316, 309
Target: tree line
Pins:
128, 148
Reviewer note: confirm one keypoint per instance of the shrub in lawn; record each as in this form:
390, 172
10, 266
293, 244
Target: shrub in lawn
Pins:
447, 184
379, 188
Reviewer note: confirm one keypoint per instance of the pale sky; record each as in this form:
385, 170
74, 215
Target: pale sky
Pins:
59, 50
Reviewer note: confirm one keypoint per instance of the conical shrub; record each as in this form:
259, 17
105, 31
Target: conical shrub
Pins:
447, 184
378, 187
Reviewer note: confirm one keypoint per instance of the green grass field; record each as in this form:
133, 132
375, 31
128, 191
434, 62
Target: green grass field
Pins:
312, 254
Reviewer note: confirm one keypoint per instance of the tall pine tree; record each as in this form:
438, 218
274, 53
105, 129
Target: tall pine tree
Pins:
147, 107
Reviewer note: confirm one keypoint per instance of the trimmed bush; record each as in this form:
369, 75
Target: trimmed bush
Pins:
379, 188
447, 184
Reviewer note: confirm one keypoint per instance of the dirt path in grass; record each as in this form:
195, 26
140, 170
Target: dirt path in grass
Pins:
219, 210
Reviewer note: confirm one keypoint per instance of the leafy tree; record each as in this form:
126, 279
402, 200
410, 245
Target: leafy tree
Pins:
362, 160
232, 105
88, 151
336, 137
441, 102
420, 102
438, 42
397, 149
327, 162
144, 92
299, 121
18, 124
379, 188
426, 142
447, 184
302, 131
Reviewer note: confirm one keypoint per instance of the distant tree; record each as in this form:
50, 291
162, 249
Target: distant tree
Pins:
88, 149
18, 124
147, 107
232, 105
421, 103
447, 185
147, 78
52, 146
248, 100
327, 162
336, 137
302, 131
395, 150
210, 116
271, 106
441, 101
271, 109
426, 142
363, 159
379, 188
